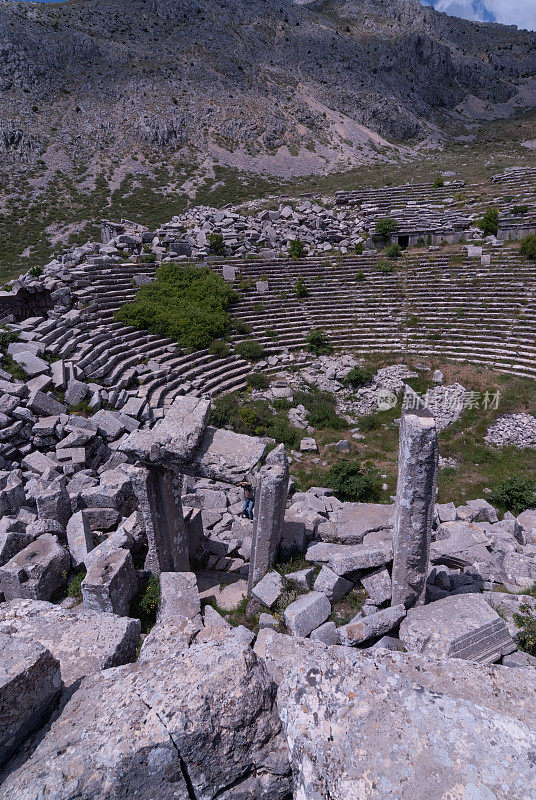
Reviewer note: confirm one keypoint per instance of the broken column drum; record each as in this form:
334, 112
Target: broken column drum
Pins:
414, 507
270, 502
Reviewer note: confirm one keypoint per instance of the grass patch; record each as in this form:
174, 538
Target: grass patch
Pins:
350, 605
144, 605
74, 587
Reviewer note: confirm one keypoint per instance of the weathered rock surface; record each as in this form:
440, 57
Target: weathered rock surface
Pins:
30, 684
413, 727
203, 726
83, 642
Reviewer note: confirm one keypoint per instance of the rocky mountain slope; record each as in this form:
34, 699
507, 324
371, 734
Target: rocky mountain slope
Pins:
243, 78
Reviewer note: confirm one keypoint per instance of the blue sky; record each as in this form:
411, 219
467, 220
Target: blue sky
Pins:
510, 12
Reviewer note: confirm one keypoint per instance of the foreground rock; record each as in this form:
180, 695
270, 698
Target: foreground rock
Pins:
202, 726
82, 641
395, 725
30, 683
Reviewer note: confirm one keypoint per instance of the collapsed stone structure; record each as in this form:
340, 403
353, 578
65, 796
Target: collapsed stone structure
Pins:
385, 609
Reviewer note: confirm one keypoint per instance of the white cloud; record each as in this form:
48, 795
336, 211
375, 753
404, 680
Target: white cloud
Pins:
510, 12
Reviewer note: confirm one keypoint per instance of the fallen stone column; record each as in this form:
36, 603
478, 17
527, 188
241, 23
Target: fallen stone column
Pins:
270, 502
414, 507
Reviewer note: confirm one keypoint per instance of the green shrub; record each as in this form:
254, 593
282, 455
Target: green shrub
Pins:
528, 247
258, 381
35, 272
514, 494
384, 228
7, 337
188, 304
250, 349
219, 348
272, 334
296, 249
393, 251
353, 483
359, 248
369, 423
360, 276
283, 432
438, 183
144, 605
489, 224
240, 327
224, 410
148, 258
385, 267
321, 408
358, 376
300, 288
519, 211
526, 622
216, 244
317, 342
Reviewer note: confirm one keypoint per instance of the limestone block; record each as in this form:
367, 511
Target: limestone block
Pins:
175, 438
306, 613
79, 538
82, 641
326, 633
458, 626
30, 684
351, 523
361, 629
53, 502
36, 571
344, 559
332, 585
377, 585
110, 583
269, 589
302, 578
14, 537
166, 728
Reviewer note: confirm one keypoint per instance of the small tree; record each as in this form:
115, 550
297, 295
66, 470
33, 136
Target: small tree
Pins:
217, 246
300, 288
296, 249
384, 228
528, 247
438, 183
489, 224
394, 251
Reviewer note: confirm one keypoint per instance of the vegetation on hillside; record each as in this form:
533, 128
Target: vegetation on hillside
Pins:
188, 304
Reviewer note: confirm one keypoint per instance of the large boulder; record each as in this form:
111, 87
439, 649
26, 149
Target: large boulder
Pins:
82, 641
30, 684
203, 725
384, 725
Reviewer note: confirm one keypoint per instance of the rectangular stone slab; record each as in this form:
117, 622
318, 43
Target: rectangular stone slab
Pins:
459, 626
